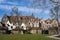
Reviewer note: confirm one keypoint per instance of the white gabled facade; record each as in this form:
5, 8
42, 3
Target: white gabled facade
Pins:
55, 23
23, 26
10, 26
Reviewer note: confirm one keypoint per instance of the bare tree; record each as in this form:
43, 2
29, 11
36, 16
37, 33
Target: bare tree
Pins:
15, 11
55, 4
55, 9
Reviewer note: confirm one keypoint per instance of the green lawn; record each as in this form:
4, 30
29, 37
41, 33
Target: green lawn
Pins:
25, 37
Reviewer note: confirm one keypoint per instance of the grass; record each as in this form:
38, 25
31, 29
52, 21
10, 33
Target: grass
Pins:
25, 37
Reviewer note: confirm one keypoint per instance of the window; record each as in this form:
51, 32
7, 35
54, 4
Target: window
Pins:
8, 25
11, 26
39, 24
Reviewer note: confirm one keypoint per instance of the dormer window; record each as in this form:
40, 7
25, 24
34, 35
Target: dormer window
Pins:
11, 26
29, 23
48, 22
22, 26
39, 24
8, 25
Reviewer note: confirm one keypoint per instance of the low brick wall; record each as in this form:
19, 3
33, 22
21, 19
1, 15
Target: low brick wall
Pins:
2, 31
14, 32
36, 31
59, 30
52, 31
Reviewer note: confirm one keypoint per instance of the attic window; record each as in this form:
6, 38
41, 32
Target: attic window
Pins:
11, 26
48, 22
8, 25
22, 26
39, 24
21, 18
59, 25
29, 23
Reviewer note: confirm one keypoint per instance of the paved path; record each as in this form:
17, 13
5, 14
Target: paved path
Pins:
54, 36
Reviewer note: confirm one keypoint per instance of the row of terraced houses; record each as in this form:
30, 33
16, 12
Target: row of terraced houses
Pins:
36, 24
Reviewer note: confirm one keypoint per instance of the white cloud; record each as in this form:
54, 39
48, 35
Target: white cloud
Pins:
9, 2
1, 1
6, 7
24, 9
47, 11
13, 3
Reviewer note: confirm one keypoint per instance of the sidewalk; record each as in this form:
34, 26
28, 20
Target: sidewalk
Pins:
54, 36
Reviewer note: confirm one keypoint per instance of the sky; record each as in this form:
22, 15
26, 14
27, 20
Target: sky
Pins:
25, 8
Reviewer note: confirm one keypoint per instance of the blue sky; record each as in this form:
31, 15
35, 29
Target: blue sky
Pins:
25, 8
